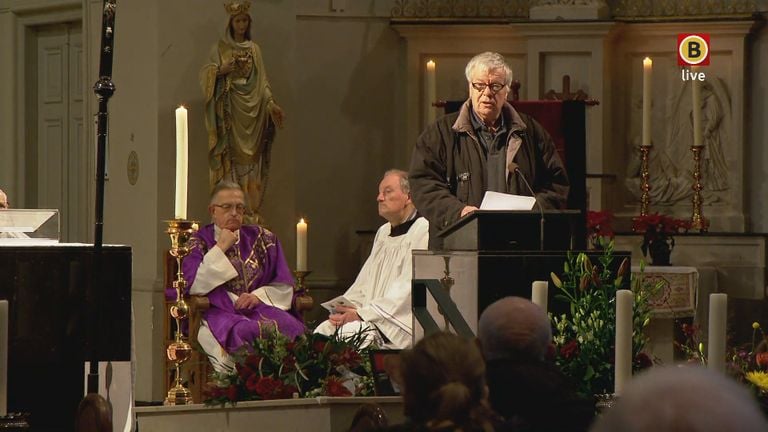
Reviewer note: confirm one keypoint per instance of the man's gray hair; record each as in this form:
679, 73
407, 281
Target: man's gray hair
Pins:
486, 62
405, 184
224, 185
683, 398
514, 328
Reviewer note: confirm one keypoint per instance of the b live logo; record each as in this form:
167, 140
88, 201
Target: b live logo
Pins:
693, 49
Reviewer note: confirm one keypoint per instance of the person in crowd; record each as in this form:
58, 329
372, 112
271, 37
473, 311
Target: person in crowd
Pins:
240, 111
242, 271
381, 294
486, 146
444, 387
683, 398
4, 204
526, 388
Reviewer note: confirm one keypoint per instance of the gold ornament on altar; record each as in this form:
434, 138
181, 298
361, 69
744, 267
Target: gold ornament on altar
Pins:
238, 7
179, 350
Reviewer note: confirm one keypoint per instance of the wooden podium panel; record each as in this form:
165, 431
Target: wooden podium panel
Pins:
52, 302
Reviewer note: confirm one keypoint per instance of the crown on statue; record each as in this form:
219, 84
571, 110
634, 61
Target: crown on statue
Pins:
237, 7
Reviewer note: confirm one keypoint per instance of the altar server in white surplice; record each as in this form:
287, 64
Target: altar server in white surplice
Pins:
381, 294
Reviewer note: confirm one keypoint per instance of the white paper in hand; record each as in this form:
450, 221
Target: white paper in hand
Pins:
330, 305
502, 201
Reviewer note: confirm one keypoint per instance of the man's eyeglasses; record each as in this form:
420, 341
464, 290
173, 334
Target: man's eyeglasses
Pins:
495, 87
240, 208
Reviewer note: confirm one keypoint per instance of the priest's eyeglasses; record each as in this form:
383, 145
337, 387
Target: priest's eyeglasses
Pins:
495, 87
239, 208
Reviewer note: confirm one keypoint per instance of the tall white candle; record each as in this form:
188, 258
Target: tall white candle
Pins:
182, 158
3, 357
647, 70
431, 84
718, 312
623, 369
540, 293
301, 246
696, 110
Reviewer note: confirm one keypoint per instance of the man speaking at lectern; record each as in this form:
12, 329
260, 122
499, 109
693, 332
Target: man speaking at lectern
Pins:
462, 155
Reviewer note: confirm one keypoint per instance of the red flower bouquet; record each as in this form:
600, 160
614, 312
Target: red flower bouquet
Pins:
658, 235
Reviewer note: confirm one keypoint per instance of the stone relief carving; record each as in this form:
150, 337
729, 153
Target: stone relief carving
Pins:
671, 162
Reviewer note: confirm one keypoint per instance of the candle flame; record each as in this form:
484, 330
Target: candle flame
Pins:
647, 61
301, 221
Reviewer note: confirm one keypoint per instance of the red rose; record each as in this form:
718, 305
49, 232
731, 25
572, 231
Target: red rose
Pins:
642, 361
762, 359
252, 382
569, 350
269, 388
232, 393
334, 387
289, 363
243, 371
252, 361
319, 346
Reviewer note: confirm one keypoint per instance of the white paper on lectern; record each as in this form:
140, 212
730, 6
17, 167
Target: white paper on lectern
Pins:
501, 201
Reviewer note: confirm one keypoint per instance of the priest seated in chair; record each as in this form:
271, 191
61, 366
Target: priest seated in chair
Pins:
380, 297
242, 271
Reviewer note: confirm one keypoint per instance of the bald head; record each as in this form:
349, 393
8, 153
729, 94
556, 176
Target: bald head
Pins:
689, 398
513, 327
3, 200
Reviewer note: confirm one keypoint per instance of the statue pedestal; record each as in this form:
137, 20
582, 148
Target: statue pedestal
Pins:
595, 10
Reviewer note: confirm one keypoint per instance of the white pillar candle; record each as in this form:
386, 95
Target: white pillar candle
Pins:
540, 293
696, 110
647, 69
301, 246
182, 158
431, 85
718, 312
3, 357
623, 369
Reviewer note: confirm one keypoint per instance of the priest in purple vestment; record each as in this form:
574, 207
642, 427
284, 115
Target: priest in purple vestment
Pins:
242, 271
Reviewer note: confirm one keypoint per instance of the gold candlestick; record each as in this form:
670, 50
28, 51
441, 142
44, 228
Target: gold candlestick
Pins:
645, 186
179, 350
447, 281
698, 221
300, 276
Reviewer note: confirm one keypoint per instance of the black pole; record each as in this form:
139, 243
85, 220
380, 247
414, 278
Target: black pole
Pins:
104, 89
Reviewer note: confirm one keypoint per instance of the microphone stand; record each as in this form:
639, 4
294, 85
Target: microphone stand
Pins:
541, 209
94, 409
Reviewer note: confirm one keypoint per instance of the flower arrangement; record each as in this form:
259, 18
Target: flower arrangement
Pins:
658, 235
747, 363
275, 367
599, 228
585, 339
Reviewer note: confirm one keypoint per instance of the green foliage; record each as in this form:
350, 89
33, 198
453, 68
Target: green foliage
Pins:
275, 367
585, 338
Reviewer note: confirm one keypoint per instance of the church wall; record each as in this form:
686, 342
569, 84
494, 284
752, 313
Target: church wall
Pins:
757, 133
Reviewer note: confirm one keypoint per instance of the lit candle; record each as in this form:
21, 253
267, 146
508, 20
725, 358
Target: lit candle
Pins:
718, 310
539, 294
696, 110
431, 91
301, 246
623, 368
182, 156
647, 69
3, 357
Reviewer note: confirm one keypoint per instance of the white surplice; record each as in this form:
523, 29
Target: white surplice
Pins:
382, 290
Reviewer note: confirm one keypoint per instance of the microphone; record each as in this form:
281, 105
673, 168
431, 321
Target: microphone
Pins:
513, 167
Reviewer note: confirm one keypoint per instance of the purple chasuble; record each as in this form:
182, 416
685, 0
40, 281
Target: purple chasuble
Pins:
258, 259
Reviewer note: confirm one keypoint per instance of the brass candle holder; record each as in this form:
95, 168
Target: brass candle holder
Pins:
645, 186
698, 221
447, 281
179, 350
301, 275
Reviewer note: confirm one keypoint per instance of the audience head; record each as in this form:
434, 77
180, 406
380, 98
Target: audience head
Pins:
4, 204
394, 197
489, 77
514, 328
443, 379
227, 205
689, 398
